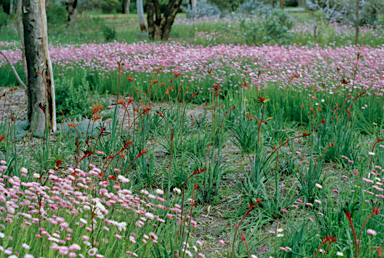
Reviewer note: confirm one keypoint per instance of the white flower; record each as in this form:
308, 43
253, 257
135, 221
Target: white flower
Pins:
279, 235
177, 190
24, 170
92, 251
100, 206
122, 226
25, 246
149, 215
371, 153
322, 100
339, 254
36, 175
319, 186
83, 221
2, 235
159, 191
280, 230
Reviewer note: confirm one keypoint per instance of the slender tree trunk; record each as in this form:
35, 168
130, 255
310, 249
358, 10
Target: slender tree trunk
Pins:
193, 4
11, 11
19, 25
273, 3
126, 4
159, 27
140, 13
357, 23
41, 89
72, 10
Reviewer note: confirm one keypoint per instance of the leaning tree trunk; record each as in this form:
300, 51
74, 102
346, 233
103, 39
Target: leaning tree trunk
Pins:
72, 10
126, 4
159, 27
140, 13
19, 25
41, 89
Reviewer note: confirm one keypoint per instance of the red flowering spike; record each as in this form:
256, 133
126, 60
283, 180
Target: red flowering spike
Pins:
1, 138
58, 163
111, 177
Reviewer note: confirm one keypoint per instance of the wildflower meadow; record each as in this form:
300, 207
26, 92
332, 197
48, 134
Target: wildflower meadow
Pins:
175, 149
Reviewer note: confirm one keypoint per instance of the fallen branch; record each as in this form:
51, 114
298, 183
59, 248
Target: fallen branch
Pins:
14, 70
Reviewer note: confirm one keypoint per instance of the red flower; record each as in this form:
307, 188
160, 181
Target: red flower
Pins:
323, 121
111, 177
305, 134
261, 99
1, 138
199, 171
141, 153
58, 163
127, 144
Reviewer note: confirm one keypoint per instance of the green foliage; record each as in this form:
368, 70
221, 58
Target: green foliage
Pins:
230, 5
74, 100
3, 17
109, 33
110, 6
56, 14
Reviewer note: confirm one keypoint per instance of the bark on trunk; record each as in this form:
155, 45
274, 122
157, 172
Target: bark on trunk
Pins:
140, 13
159, 27
19, 25
72, 10
193, 4
126, 4
41, 90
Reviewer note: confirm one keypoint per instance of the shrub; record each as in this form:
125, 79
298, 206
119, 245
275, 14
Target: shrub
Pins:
56, 14
268, 27
109, 33
3, 17
202, 10
110, 6
75, 100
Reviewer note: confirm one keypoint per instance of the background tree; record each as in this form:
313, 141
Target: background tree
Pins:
41, 89
126, 4
19, 25
72, 10
140, 13
159, 26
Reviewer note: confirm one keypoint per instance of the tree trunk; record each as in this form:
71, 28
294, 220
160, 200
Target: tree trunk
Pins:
193, 4
273, 3
159, 27
19, 25
11, 11
72, 11
357, 23
140, 13
126, 4
41, 89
